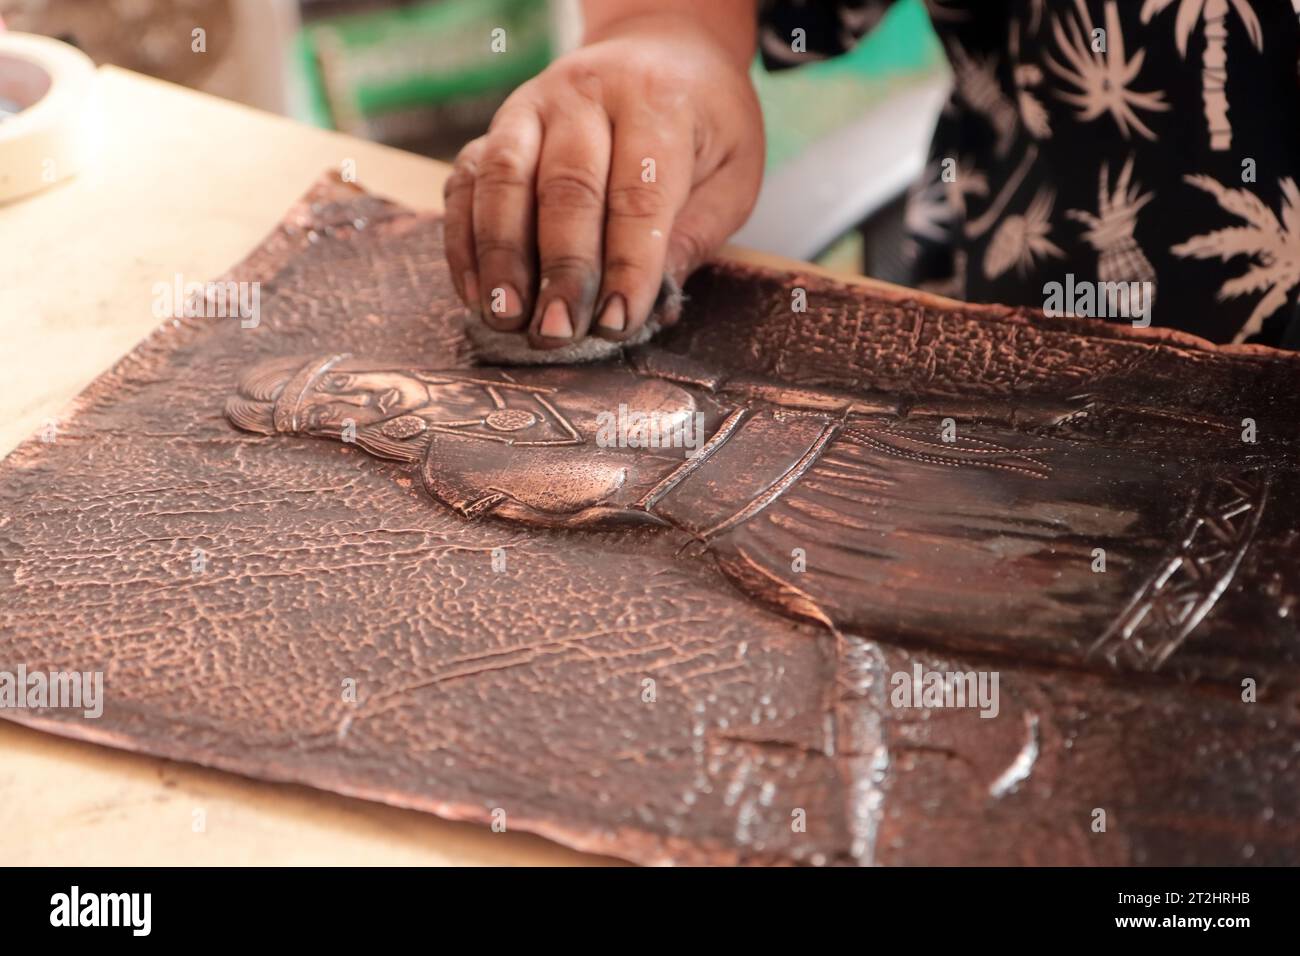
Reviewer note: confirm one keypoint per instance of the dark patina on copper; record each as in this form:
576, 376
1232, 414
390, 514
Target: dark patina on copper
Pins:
847, 507
685, 654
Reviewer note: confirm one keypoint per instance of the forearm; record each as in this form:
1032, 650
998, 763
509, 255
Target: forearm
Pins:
732, 23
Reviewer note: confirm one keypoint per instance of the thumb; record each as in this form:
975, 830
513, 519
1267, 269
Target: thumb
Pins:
717, 206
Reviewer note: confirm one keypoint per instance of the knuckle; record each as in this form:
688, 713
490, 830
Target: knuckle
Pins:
458, 182
570, 190
689, 248
503, 166
467, 159
489, 246
624, 271
636, 201
583, 80
566, 265
662, 89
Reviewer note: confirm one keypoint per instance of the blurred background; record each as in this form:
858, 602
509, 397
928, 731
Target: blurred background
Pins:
420, 75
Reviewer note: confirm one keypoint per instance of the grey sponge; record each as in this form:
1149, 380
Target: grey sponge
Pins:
511, 348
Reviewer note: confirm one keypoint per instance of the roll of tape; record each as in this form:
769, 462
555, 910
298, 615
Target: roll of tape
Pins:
49, 124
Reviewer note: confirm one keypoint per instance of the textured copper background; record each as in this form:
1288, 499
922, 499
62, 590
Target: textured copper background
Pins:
522, 690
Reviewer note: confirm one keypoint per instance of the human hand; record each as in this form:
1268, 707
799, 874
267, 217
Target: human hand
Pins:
632, 158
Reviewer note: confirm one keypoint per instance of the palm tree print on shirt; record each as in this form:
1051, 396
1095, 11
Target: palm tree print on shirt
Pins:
1103, 75
977, 84
1214, 58
966, 180
1274, 246
1027, 77
929, 214
1021, 239
1073, 125
1119, 257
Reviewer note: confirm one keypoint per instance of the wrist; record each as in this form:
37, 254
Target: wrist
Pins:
729, 26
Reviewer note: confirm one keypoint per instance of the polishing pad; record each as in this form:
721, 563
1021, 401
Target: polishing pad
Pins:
512, 348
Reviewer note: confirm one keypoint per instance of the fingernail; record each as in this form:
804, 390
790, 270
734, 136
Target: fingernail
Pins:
506, 302
614, 317
555, 321
469, 281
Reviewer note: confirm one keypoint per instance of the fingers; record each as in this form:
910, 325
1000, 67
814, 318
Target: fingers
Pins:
458, 226
649, 181
561, 224
503, 216
571, 178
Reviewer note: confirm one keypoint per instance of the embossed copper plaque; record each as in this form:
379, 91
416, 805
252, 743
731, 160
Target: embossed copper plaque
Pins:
686, 606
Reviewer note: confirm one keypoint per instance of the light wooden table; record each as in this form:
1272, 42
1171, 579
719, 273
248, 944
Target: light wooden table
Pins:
186, 184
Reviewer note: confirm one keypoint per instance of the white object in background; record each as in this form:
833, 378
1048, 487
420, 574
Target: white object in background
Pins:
50, 128
840, 180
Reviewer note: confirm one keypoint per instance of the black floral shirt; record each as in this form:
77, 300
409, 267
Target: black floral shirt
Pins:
1138, 145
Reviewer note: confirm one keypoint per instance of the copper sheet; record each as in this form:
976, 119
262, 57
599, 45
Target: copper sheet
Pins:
520, 687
